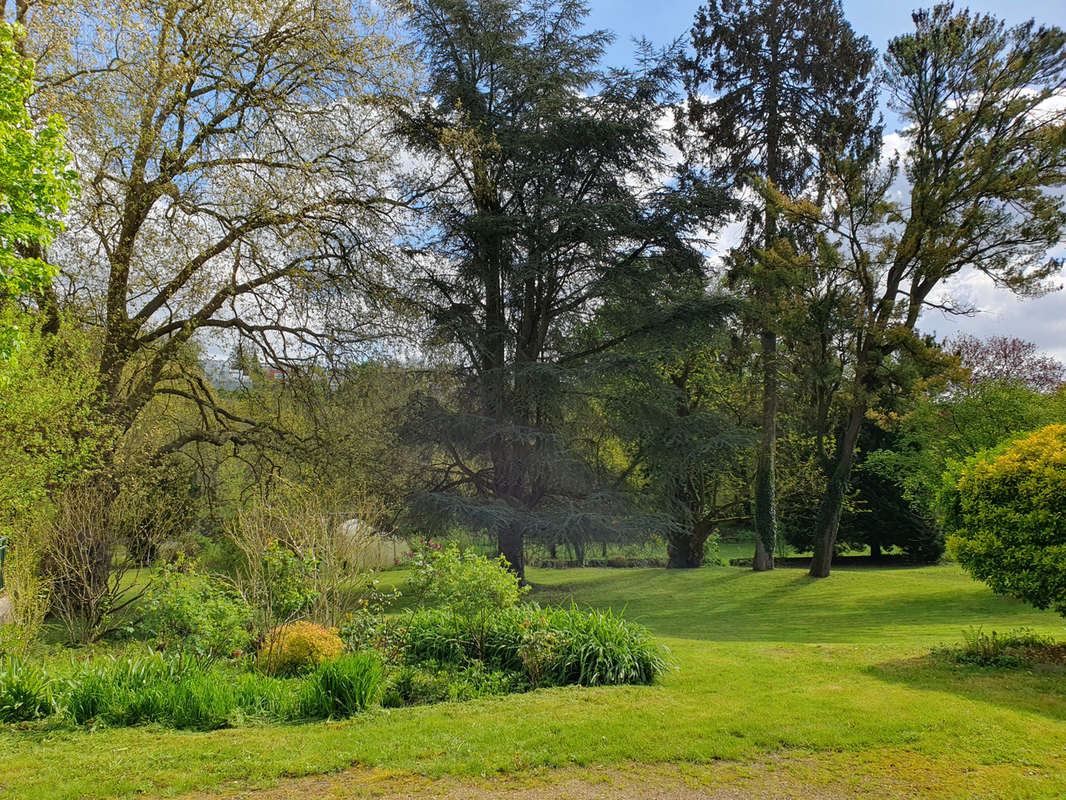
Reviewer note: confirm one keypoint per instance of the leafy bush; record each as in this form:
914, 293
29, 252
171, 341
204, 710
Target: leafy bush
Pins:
469, 588
25, 691
1006, 512
298, 559
297, 647
1011, 649
291, 581
370, 627
550, 647
468, 584
189, 610
342, 687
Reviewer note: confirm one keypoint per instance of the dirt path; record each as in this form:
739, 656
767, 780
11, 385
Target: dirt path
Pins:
784, 778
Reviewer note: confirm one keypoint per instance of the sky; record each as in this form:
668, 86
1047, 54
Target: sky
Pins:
1041, 320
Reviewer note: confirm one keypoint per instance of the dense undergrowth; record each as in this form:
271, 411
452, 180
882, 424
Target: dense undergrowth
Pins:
467, 636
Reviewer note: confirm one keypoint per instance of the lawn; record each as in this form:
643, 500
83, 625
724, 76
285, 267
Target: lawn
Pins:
783, 686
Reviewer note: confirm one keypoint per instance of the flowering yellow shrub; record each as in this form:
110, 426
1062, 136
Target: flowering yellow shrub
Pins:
298, 646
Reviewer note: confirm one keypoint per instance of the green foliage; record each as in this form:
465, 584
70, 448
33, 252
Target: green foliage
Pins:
431, 682
945, 428
36, 183
551, 646
371, 626
49, 431
185, 609
1010, 649
1005, 511
343, 687
176, 692
184, 693
467, 583
297, 647
25, 691
291, 579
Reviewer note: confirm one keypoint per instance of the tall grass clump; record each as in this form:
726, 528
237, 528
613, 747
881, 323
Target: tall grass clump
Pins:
343, 687
597, 648
179, 693
553, 647
25, 691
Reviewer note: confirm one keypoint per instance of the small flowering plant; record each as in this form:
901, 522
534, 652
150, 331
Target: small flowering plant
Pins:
424, 552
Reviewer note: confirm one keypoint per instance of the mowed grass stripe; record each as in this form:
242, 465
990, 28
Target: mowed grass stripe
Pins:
829, 670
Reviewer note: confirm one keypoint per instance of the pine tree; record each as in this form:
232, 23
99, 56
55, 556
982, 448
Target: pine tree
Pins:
788, 79
550, 196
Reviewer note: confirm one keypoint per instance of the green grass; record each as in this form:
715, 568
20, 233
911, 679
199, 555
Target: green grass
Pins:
829, 674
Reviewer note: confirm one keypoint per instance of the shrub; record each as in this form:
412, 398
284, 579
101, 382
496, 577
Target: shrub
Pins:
468, 584
550, 647
298, 559
470, 588
370, 627
25, 691
343, 687
297, 647
1006, 512
1010, 649
597, 648
189, 610
86, 563
288, 582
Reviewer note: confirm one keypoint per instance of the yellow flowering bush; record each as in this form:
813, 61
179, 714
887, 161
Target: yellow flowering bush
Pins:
298, 646
1005, 511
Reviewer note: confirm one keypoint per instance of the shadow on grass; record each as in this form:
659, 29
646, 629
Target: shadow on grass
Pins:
1036, 689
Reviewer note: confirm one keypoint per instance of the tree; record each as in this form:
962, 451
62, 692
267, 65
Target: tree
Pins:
232, 170
548, 198
672, 401
942, 428
1006, 513
36, 183
985, 152
791, 79
1007, 359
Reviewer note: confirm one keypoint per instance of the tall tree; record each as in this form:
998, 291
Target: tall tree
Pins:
1007, 359
788, 79
232, 169
672, 408
550, 197
985, 157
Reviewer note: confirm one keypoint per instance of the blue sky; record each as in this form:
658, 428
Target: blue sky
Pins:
1041, 320
661, 21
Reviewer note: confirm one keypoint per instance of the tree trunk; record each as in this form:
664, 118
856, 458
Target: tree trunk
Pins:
579, 552
765, 493
833, 498
875, 551
509, 544
686, 551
